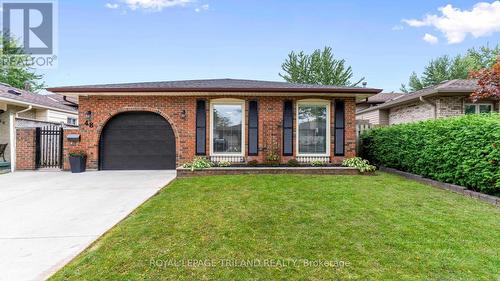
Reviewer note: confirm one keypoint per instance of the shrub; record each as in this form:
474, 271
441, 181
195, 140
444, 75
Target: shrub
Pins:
317, 163
253, 163
198, 163
273, 154
361, 164
272, 157
78, 153
293, 163
461, 150
223, 163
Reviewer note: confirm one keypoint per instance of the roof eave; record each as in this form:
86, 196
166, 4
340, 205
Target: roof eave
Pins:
62, 90
397, 102
36, 105
458, 91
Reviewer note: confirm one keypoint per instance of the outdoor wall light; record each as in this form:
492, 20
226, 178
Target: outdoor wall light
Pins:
88, 119
183, 114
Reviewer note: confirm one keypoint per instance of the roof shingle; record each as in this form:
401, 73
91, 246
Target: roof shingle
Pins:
53, 101
382, 97
451, 86
226, 85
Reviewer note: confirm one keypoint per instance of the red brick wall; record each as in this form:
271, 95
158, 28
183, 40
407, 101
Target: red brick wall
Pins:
270, 122
25, 149
69, 147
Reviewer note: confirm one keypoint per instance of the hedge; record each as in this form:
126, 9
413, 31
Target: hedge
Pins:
460, 150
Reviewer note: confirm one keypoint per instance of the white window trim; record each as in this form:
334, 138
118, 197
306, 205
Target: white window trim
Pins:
326, 103
476, 105
72, 118
212, 127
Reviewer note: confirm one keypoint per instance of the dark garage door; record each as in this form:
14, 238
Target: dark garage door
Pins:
137, 141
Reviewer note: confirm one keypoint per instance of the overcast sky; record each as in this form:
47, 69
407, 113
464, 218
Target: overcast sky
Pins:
151, 40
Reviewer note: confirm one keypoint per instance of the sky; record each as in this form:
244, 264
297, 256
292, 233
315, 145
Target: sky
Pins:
115, 41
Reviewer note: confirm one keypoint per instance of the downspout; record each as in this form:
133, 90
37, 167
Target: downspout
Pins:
65, 98
12, 134
24, 110
433, 105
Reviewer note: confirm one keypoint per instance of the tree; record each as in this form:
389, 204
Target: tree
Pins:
488, 82
446, 68
14, 70
317, 68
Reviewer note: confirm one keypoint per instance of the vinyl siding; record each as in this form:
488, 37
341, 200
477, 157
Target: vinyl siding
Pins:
372, 116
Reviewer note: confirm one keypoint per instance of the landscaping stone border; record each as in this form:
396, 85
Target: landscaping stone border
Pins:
446, 186
184, 172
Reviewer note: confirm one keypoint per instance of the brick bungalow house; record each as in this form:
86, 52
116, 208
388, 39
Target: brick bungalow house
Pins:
161, 125
449, 98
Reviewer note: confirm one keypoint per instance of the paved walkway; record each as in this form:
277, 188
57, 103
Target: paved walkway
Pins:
47, 218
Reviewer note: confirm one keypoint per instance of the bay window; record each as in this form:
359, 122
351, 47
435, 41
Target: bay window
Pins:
227, 127
313, 128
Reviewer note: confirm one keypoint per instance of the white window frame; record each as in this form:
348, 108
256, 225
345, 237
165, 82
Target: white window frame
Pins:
212, 127
326, 103
476, 105
72, 123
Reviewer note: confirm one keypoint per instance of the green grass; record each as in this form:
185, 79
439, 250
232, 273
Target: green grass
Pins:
382, 227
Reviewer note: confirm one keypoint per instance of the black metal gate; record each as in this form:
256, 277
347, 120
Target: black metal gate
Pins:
49, 147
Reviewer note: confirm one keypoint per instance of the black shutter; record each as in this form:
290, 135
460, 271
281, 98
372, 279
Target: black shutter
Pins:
339, 128
201, 127
253, 128
288, 128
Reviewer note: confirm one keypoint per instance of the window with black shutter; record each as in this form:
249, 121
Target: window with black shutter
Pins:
201, 127
288, 128
253, 128
339, 128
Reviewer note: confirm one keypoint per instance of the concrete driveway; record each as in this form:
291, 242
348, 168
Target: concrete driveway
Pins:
47, 218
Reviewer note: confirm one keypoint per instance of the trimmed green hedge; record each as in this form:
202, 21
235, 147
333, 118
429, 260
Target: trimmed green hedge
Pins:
461, 150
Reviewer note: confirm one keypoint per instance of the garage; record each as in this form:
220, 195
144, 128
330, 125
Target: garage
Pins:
137, 141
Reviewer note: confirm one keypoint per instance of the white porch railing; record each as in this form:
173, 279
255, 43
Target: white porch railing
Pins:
309, 159
228, 158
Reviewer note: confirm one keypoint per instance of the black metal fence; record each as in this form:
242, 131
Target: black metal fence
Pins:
49, 147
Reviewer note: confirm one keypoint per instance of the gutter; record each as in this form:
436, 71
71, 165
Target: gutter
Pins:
18, 102
65, 98
433, 105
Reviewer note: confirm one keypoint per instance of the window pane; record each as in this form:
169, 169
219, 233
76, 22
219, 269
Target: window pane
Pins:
312, 129
227, 128
484, 108
470, 109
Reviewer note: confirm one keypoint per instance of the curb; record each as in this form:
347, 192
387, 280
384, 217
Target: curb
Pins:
217, 171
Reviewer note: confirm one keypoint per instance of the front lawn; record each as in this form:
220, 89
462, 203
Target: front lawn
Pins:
268, 227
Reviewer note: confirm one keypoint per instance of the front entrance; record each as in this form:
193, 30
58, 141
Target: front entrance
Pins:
137, 141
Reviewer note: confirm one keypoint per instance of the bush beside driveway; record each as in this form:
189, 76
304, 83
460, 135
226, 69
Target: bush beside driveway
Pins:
219, 228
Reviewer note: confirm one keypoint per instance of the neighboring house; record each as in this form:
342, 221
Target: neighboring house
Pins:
161, 125
449, 98
375, 117
22, 109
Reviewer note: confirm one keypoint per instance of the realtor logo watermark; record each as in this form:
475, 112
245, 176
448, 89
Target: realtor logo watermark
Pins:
31, 26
